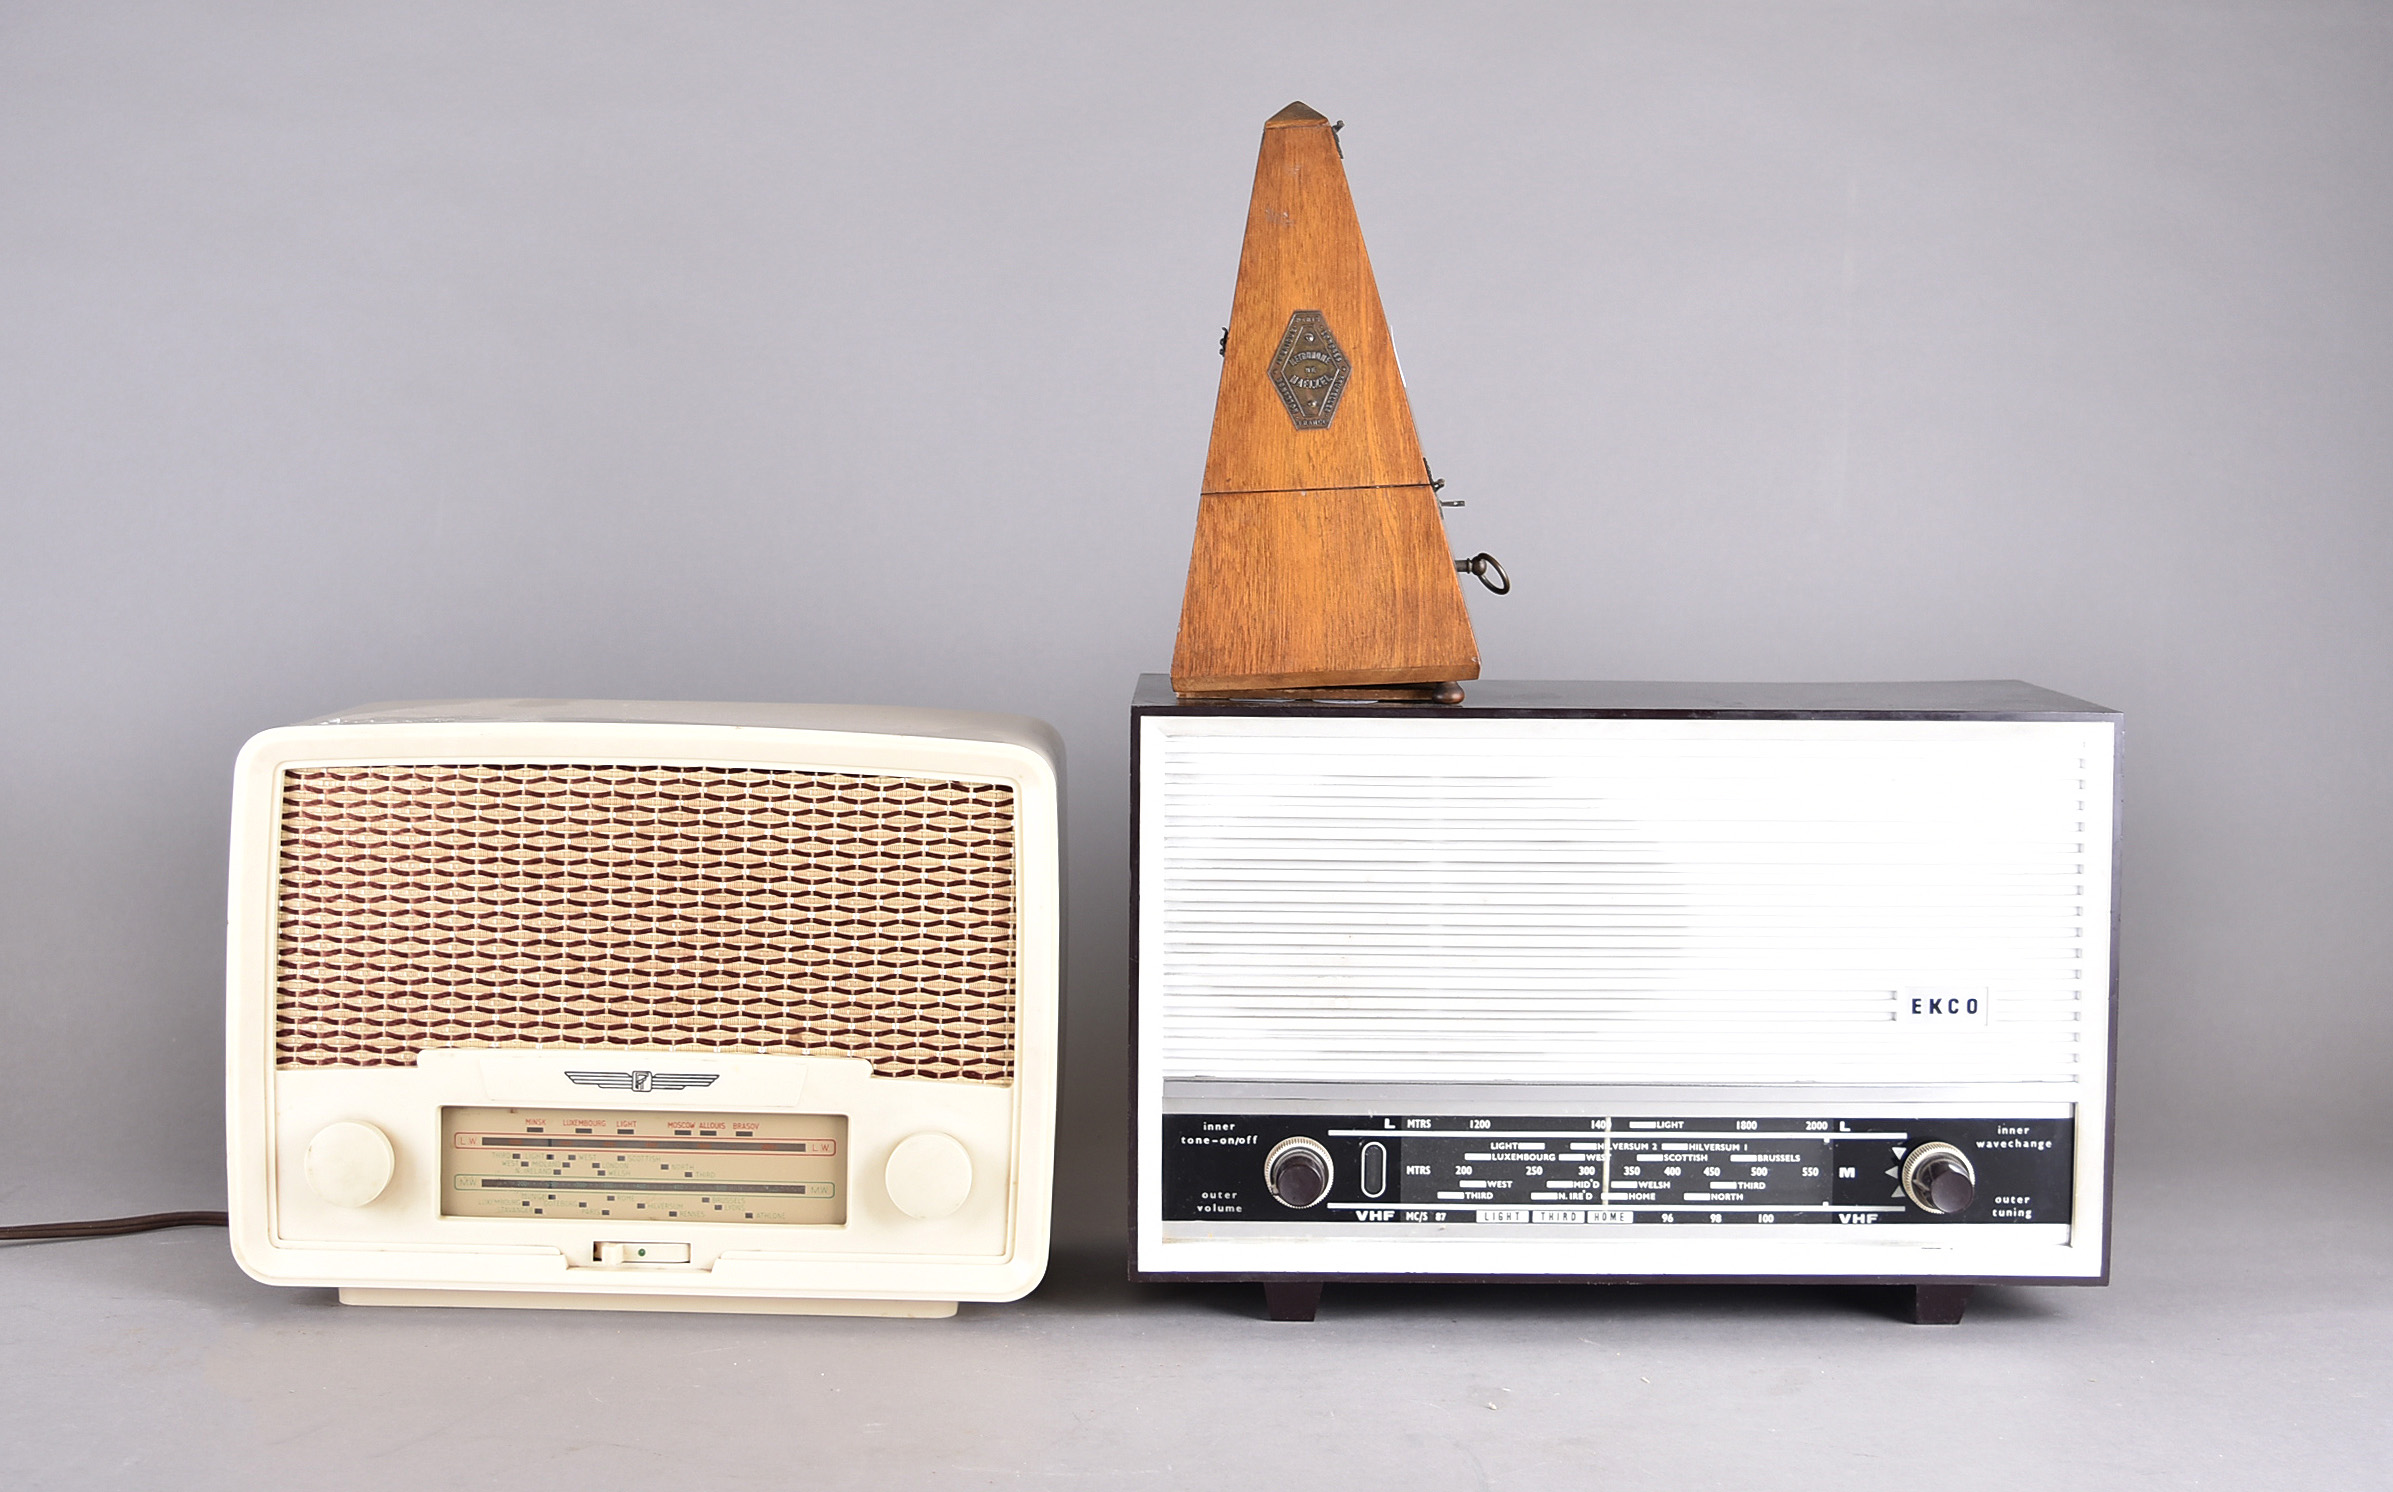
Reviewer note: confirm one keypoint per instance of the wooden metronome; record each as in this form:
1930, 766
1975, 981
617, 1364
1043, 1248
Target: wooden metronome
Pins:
1321, 567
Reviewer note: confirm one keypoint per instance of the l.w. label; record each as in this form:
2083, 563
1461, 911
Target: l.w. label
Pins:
1944, 1005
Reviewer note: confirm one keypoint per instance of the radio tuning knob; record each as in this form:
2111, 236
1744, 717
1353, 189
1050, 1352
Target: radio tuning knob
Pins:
1298, 1172
1939, 1178
349, 1163
929, 1175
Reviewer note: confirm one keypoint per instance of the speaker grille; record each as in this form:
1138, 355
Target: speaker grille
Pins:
1484, 900
724, 909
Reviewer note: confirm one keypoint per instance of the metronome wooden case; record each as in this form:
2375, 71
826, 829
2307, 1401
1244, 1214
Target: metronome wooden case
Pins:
1321, 559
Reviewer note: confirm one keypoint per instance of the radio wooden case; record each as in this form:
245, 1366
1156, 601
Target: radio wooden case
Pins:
645, 1006
1614, 982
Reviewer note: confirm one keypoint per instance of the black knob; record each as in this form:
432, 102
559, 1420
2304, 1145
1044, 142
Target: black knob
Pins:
1949, 1188
1939, 1178
1298, 1172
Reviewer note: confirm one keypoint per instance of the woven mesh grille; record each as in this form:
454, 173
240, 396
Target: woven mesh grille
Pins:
734, 910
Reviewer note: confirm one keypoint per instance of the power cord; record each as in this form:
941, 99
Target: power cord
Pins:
110, 1227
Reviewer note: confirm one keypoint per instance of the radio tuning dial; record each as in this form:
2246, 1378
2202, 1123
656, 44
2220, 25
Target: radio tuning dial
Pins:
1939, 1178
1298, 1171
349, 1163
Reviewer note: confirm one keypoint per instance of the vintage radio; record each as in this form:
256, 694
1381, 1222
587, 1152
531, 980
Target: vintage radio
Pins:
645, 1006
1625, 982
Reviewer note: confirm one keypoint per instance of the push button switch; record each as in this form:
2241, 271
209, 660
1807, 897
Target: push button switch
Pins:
1375, 1169
643, 1253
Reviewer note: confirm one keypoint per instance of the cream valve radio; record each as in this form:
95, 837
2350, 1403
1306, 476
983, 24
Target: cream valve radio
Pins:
645, 1006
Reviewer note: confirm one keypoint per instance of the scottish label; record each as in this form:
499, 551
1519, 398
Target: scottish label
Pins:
1310, 371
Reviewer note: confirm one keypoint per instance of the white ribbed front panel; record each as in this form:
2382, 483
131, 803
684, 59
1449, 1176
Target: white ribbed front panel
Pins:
1599, 901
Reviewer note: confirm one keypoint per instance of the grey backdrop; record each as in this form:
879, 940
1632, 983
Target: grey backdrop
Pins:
867, 354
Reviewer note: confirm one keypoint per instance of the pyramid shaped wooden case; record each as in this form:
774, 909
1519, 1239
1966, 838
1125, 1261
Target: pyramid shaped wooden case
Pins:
1321, 559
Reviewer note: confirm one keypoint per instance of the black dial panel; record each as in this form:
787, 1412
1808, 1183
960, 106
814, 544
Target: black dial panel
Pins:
1608, 1170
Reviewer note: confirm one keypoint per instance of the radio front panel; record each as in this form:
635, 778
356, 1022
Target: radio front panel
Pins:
1392, 1172
1597, 982
489, 1170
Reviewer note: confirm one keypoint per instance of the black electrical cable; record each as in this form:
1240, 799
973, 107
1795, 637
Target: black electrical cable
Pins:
110, 1227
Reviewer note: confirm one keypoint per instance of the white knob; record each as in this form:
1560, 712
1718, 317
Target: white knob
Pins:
929, 1175
349, 1163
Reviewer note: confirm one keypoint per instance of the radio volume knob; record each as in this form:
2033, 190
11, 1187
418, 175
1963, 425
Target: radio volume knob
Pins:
1298, 1171
349, 1163
929, 1175
1939, 1178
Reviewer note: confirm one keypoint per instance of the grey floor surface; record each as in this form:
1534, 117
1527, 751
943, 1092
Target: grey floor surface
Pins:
2248, 1342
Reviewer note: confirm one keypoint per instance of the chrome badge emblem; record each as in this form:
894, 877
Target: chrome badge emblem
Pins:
1310, 371
645, 1082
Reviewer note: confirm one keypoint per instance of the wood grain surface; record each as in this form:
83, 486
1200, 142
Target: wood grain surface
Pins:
1321, 558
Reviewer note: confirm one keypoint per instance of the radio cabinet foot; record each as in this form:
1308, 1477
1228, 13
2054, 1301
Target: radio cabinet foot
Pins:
1294, 1300
1938, 1305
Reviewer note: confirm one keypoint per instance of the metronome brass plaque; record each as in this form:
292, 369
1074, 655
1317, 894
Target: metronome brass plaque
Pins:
1310, 371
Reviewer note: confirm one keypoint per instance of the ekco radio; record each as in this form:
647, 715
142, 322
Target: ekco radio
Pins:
1625, 982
